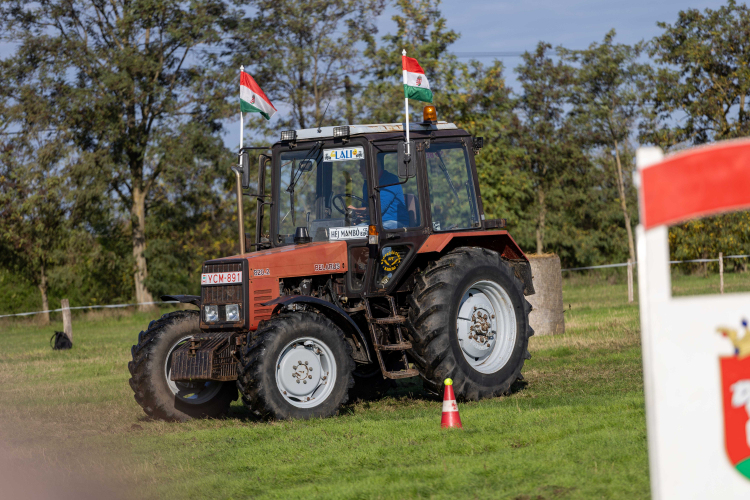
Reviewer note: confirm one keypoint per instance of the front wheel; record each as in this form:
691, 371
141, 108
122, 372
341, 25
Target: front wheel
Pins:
470, 321
297, 365
151, 367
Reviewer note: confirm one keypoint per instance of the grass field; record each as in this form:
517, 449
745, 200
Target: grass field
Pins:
574, 429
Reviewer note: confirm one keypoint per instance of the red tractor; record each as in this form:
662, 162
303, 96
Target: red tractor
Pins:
370, 264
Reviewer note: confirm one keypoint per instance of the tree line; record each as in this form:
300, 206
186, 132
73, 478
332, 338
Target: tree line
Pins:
114, 177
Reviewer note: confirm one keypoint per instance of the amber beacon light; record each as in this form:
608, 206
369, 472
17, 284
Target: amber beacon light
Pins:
429, 114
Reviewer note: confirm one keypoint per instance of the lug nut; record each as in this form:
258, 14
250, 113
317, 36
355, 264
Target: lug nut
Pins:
298, 381
310, 368
304, 381
493, 316
294, 367
299, 362
305, 363
309, 376
488, 344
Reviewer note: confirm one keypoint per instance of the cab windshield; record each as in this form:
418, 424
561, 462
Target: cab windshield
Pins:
322, 189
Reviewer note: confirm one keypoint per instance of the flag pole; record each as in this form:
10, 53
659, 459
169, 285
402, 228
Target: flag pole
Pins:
242, 124
406, 100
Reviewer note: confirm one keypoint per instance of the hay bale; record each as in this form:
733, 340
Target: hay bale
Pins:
546, 317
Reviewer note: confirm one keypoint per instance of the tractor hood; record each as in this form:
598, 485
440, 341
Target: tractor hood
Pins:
297, 260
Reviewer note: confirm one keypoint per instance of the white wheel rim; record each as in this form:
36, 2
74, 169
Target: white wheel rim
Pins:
305, 372
486, 326
194, 393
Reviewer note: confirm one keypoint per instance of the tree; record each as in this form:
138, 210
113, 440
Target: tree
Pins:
543, 132
312, 55
33, 210
422, 32
607, 104
123, 83
700, 91
699, 95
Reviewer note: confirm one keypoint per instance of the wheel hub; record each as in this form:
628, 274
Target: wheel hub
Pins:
476, 333
303, 372
486, 326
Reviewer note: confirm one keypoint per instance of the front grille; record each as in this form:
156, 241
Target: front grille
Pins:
225, 294
222, 294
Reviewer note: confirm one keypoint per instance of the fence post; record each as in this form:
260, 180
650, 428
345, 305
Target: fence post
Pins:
67, 320
630, 280
721, 272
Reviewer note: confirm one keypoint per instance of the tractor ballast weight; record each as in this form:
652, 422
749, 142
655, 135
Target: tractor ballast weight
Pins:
374, 262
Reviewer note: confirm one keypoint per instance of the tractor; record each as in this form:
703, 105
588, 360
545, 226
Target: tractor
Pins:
372, 261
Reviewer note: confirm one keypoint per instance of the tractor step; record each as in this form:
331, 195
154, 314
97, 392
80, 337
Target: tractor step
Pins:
411, 372
401, 346
390, 320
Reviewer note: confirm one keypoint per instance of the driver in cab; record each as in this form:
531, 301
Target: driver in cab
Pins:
392, 202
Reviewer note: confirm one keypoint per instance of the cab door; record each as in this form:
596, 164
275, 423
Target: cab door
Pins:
400, 209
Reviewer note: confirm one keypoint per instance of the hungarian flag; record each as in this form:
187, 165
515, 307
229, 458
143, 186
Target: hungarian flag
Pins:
416, 85
253, 99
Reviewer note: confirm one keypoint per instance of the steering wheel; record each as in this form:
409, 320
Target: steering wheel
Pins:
340, 197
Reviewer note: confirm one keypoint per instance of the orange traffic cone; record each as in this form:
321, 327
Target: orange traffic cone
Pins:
450, 408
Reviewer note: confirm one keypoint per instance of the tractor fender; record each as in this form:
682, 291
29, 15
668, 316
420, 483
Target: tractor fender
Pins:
337, 315
184, 299
499, 241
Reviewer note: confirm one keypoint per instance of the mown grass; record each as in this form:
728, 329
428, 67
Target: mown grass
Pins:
575, 428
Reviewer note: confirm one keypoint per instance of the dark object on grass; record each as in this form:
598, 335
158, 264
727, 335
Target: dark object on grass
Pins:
60, 341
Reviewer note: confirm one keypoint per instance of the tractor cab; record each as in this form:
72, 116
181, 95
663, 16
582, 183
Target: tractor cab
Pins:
344, 184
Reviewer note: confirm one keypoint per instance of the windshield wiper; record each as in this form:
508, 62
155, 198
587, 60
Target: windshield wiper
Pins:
295, 178
448, 177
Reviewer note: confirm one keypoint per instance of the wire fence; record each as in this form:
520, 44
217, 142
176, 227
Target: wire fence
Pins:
604, 266
107, 306
624, 264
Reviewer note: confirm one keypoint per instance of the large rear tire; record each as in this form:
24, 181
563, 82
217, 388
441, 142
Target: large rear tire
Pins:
470, 322
296, 365
160, 397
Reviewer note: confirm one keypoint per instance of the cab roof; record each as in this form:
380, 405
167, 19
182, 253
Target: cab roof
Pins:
327, 132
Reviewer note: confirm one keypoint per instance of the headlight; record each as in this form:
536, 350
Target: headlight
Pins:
233, 312
211, 313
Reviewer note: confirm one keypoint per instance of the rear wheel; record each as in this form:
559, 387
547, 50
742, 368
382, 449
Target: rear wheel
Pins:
470, 321
151, 368
297, 365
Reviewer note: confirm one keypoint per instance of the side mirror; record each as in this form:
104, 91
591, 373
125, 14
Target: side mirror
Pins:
245, 167
477, 144
406, 164
306, 166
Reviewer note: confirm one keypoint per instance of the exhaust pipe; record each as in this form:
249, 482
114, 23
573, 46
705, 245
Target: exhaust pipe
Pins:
240, 211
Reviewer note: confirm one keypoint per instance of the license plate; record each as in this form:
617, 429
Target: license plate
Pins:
221, 278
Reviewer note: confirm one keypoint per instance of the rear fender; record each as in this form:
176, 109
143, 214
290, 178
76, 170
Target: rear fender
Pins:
499, 241
338, 316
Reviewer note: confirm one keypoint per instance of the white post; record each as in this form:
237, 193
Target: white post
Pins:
242, 124
406, 101
67, 319
630, 280
721, 272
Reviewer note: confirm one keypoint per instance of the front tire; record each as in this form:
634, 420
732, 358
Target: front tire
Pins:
160, 397
470, 322
296, 365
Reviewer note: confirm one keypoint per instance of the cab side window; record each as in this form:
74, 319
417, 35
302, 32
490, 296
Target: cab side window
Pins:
452, 199
399, 203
